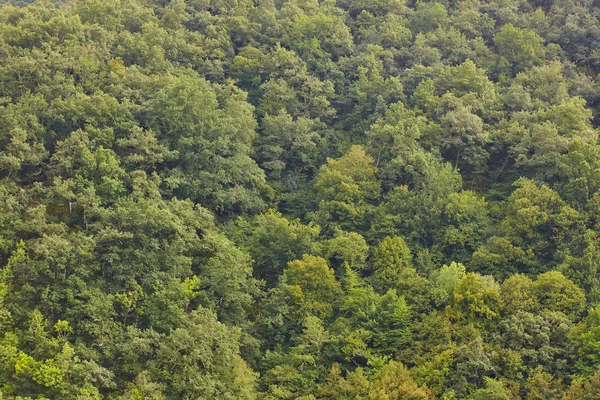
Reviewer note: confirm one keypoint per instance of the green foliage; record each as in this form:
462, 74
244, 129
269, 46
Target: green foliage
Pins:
211, 127
518, 49
471, 369
517, 293
537, 339
272, 241
587, 337
468, 225
198, 359
312, 285
392, 381
446, 279
558, 293
349, 248
389, 259
542, 385
393, 325
494, 390
476, 299
299, 199
393, 141
587, 389
582, 270
345, 189
536, 227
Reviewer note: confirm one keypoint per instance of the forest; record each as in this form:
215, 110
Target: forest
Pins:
299, 199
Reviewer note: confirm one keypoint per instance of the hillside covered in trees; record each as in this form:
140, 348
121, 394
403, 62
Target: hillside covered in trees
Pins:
300, 199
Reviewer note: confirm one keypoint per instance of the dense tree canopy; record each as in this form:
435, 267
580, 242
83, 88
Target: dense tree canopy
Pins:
300, 199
